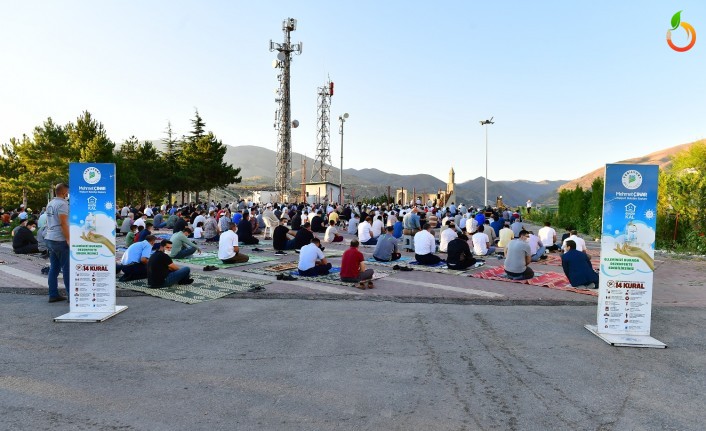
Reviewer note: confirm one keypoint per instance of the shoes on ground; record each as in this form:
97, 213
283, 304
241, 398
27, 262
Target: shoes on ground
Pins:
543, 257
257, 249
57, 299
280, 253
210, 268
288, 278
406, 268
280, 276
45, 270
257, 289
396, 267
296, 251
187, 281
268, 238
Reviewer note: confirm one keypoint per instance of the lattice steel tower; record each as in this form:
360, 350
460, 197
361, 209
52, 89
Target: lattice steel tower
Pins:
283, 116
322, 164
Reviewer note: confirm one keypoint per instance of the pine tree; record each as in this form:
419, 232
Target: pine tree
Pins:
172, 172
90, 139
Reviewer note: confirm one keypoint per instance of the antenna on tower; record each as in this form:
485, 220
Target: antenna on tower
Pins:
283, 123
322, 163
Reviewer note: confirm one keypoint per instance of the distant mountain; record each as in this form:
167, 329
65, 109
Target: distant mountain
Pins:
258, 168
663, 158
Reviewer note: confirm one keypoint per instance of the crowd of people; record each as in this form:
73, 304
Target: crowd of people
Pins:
455, 236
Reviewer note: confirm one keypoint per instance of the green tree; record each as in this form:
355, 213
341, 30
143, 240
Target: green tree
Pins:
90, 139
126, 159
172, 174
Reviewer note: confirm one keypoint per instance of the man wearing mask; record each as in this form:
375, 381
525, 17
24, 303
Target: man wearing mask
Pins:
57, 239
24, 242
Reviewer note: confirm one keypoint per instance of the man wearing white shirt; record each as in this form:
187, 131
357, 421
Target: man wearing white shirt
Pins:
148, 211
199, 219
425, 246
228, 250
141, 221
537, 248
446, 236
580, 243
547, 235
481, 243
365, 233
377, 227
124, 212
312, 261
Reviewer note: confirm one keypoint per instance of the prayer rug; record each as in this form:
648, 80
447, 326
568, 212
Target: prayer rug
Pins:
555, 259
262, 244
205, 287
552, 280
440, 268
333, 277
287, 266
333, 253
206, 259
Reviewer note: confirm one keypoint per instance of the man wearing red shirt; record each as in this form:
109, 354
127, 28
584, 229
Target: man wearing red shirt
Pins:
353, 267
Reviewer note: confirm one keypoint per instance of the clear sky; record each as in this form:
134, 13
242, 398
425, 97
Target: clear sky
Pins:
572, 85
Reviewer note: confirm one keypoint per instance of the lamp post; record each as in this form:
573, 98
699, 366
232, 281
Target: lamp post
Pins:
486, 123
342, 119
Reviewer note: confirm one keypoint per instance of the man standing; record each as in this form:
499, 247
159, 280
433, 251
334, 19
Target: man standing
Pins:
529, 206
425, 246
162, 271
228, 250
312, 261
57, 239
518, 257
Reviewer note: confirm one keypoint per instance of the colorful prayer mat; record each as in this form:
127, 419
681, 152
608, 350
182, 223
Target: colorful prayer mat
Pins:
206, 259
552, 280
555, 259
333, 277
205, 287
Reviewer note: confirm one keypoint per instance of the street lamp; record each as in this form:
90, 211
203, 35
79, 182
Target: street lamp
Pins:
342, 119
486, 123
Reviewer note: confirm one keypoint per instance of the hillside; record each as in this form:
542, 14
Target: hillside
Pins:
661, 158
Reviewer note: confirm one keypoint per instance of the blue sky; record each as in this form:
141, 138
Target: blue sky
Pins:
572, 85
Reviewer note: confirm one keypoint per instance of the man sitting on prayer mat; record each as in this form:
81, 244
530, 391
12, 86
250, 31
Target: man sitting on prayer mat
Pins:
386, 249
312, 261
280, 238
518, 257
181, 246
459, 255
577, 267
353, 267
331, 234
245, 230
134, 261
425, 246
162, 271
228, 250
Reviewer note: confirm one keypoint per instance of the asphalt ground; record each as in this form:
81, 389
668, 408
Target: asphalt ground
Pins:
409, 354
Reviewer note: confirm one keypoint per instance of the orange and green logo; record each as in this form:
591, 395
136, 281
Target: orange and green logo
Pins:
691, 33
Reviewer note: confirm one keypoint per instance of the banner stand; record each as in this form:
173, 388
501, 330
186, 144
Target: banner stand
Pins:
621, 340
624, 311
92, 243
90, 317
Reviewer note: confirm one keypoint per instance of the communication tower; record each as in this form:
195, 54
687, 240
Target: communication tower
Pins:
322, 164
283, 116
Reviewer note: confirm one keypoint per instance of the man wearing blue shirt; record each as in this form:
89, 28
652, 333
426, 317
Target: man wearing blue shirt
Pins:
134, 261
577, 267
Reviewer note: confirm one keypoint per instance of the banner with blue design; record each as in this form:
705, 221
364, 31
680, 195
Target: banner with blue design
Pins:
627, 249
92, 226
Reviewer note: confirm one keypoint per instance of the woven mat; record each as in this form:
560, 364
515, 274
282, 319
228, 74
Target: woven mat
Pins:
333, 277
205, 287
439, 268
552, 280
555, 259
262, 244
205, 259
287, 266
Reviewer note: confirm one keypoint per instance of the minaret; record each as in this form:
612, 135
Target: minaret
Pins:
450, 185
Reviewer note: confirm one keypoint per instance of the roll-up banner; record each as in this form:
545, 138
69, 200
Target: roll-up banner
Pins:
92, 243
627, 255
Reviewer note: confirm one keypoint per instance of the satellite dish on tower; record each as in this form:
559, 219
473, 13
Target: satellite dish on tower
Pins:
275, 64
295, 123
346, 115
281, 56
